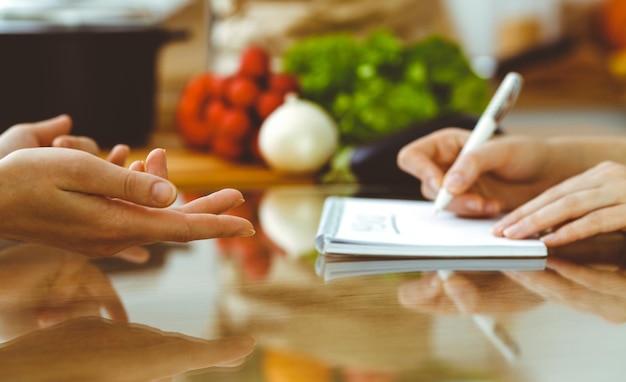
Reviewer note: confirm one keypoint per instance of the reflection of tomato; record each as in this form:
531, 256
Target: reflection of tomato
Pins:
361, 375
253, 254
288, 366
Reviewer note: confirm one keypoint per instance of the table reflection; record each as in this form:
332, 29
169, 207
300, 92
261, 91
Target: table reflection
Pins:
389, 327
62, 320
187, 310
43, 286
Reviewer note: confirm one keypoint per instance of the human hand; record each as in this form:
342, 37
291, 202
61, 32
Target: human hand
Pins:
498, 176
465, 293
41, 286
84, 203
585, 288
585, 205
97, 349
53, 132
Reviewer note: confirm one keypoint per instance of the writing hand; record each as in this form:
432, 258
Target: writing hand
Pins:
496, 177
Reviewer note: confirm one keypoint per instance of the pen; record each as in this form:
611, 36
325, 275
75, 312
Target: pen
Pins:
494, 332
501, 102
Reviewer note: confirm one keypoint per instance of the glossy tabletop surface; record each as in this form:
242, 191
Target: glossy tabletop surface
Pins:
192, 307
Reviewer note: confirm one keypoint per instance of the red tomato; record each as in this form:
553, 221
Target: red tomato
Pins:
255, 62
268, 102
192, 129
227, 147
234, 123
284, 83
242, 91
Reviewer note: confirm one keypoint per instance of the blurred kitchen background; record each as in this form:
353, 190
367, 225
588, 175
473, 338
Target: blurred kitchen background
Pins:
572, 53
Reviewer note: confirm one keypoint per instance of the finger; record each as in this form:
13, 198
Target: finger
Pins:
184, 228
119, 154
605, 282
426, 295
555, 288
46, 131
85, 144
600, 221
577, 183
463, 174
215, 203
175, 357
135, 255
462, 292
428, 157
156, 163
475, 205
100, 288
99, 177
50, 316
138, 165
561, 210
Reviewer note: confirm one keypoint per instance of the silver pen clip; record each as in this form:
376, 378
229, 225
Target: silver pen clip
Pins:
513, 92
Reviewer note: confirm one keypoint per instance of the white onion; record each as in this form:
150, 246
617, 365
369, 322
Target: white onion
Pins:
298, 137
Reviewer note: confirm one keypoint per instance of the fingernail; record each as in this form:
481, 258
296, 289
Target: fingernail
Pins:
454, 182
163, 193
245, 341
62, 142
58, 117
233, 363
492, 208
433, 183
498, 227
246, 232
238, 202
472, 205
548, 238
511, 230
408, 294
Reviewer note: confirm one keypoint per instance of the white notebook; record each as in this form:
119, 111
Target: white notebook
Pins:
367, 236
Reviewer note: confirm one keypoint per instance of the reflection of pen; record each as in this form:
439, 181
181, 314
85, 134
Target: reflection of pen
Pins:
500, 104
494, 332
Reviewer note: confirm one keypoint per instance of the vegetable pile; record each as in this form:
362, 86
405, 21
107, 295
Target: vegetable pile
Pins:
378, 86
222, 114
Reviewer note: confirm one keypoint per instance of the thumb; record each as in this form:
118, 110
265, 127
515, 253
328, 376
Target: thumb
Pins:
96, 176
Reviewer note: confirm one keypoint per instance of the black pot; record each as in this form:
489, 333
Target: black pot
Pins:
103, 76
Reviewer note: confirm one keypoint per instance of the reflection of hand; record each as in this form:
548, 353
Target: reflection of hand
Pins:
41, 286
583, 206
96, 349
84, 203
464, 293
580, 287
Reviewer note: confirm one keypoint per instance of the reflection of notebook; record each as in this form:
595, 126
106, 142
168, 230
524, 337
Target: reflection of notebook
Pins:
367, 236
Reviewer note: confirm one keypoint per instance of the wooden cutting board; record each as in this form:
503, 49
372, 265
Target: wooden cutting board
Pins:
199, 171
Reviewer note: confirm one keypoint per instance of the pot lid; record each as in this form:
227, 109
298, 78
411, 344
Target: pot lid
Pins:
25, 15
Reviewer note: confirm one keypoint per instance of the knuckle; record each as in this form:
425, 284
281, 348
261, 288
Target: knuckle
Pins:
129, 183
181, 232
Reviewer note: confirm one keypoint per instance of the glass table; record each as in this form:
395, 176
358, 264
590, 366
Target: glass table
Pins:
186, 313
